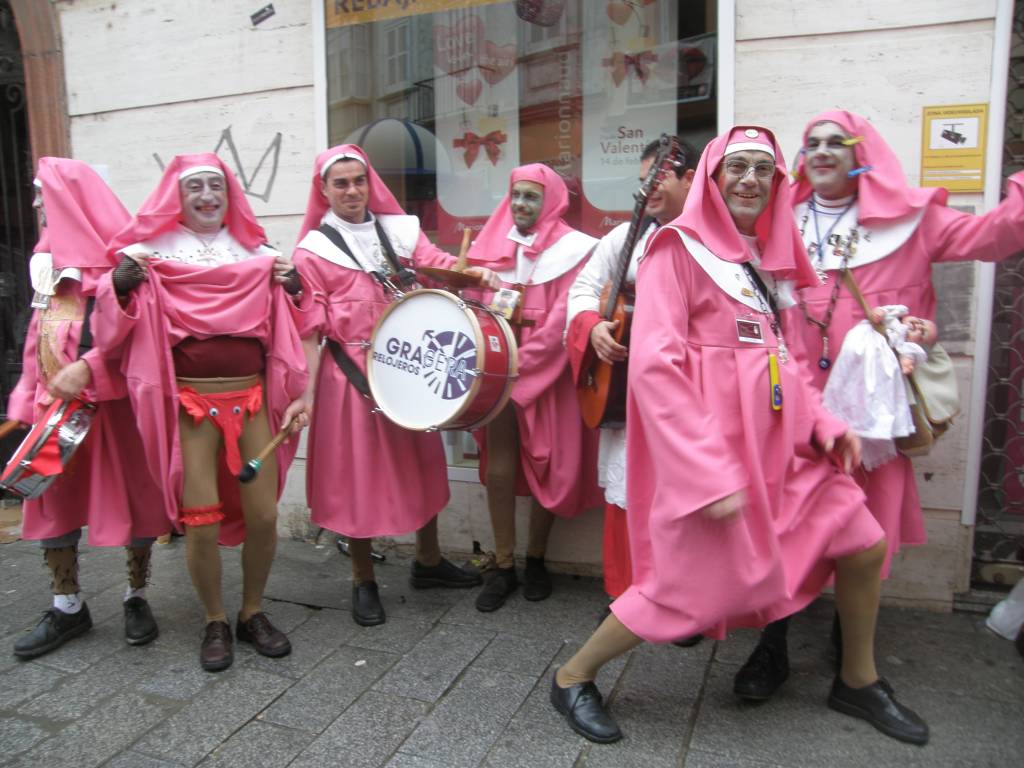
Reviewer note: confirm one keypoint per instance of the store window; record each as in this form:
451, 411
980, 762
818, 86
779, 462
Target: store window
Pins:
447, 97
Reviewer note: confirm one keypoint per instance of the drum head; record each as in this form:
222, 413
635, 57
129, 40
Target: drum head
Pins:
422, 359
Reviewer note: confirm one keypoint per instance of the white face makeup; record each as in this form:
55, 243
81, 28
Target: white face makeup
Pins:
204, 202
37, 203
526, 202
828, 161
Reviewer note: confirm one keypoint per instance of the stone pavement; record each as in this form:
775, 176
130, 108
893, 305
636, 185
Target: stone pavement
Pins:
441, 685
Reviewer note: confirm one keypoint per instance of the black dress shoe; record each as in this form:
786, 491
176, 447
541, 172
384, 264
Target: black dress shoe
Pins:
876, 704
139, 625
501, 583
689, 642
584, 710
217, 651
536, 580
267, 639
367, 610
765, 670
52, 631
444, 574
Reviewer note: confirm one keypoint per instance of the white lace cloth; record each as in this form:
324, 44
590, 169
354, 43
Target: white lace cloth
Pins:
868, 391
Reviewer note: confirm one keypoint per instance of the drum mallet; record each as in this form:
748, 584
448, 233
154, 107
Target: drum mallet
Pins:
253, 465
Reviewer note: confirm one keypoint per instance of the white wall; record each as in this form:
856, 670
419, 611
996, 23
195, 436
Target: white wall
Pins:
167, 77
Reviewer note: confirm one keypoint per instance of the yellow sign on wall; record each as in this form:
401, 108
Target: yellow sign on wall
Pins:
953, 147
341, 13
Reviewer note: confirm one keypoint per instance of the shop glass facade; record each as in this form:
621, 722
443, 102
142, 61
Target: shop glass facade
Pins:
447, 97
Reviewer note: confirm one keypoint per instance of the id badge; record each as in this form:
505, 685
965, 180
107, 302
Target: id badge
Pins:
749, 331
505, 302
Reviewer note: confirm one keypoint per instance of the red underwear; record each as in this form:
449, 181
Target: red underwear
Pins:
227, 412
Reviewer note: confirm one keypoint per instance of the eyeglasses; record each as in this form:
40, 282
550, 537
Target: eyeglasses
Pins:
739, 169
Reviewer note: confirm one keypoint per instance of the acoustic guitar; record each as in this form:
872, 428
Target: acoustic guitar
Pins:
602, 389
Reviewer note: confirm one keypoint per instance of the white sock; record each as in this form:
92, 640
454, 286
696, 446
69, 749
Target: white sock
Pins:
67, 603
129, 593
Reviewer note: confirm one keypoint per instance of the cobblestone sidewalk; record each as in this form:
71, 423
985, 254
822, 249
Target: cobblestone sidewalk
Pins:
441, 685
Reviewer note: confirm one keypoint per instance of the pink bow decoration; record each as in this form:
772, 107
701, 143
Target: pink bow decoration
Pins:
623, 64
471, 143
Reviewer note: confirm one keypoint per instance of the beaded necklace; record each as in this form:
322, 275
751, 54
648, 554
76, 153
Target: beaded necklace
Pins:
844, 249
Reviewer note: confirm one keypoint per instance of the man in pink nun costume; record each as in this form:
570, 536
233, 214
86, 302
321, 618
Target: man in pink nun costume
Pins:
106, 488
740, 508
538, 445
856, 212
198, 313
365, 475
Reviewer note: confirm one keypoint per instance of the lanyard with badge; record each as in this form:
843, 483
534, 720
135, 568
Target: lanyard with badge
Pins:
771, 310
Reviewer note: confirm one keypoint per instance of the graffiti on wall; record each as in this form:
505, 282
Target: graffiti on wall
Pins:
259, 182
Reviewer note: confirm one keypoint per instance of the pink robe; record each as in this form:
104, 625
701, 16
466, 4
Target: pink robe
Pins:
105, 486
557, 451
904, 277
701, 428
181, 300
365, 475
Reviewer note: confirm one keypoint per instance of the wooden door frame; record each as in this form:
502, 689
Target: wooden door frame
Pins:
49, 125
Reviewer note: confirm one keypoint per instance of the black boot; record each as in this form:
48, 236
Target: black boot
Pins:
536, 580
768, 666
501, 583
139, 625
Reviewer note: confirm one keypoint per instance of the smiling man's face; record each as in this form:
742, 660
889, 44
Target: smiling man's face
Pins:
204, 202
828, 161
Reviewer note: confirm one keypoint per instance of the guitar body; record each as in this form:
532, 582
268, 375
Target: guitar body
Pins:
602, 392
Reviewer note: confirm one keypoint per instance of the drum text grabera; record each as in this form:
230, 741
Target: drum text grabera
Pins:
404, 357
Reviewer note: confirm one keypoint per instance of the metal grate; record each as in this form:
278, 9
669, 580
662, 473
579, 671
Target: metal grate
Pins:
999, 533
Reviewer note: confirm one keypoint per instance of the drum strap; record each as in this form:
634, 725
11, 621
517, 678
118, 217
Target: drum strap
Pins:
349, 368
85, 343
405, 276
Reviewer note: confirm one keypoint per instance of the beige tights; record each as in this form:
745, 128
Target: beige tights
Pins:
610, 640
858, 590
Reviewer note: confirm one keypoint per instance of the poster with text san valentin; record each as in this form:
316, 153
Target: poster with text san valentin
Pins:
630, 82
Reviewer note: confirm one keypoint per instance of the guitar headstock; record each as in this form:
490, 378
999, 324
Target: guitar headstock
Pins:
669, 158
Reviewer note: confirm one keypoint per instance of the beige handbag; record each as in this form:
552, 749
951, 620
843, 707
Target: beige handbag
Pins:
931, 389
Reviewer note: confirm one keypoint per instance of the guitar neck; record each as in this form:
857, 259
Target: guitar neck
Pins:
625, 255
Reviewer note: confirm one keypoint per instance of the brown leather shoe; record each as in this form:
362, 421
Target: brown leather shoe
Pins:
217, 651
264, 636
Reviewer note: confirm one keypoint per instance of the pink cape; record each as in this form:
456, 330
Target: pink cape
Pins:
381, 201
105, 486
365, 475
557, 451
492, 248
181, 300
161, 211
700, 429
905, 277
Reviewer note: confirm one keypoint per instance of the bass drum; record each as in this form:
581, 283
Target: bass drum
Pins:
438, 361
48, 448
